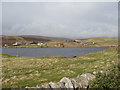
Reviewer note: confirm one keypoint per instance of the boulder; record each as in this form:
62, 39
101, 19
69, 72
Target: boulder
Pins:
57, 86
88, 76
75, 84
54, 85
67, 82
83, 80
62, 85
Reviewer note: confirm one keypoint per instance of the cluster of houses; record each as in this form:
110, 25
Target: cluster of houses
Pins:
23, 43
61, 44
82, 43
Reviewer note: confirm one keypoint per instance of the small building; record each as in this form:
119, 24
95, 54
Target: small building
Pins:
93, 43
60, 45
17, 43
5, 45
77, 41
41, 43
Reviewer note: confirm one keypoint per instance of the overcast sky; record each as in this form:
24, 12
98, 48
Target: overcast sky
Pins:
60, 19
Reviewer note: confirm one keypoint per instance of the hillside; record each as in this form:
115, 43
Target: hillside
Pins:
35, 38
54, 41
44, 37
9, 40
99, 42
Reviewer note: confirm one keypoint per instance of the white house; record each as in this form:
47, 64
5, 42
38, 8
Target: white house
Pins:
40, 44
17, 43
93, 43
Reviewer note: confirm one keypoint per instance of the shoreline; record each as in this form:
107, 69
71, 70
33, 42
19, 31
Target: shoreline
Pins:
61, 47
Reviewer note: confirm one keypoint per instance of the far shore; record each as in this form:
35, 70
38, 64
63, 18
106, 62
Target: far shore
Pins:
60, 47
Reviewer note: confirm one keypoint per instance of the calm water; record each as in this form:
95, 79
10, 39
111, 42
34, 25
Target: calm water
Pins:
39, 52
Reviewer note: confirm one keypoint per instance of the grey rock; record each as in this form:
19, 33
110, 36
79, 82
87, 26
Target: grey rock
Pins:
88, 76
45, 85
54, 85
83, 80
37, 86
62, 85
57, 86
75, 84
67, 82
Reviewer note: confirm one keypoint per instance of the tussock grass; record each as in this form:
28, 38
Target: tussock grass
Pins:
19, 72
109, 79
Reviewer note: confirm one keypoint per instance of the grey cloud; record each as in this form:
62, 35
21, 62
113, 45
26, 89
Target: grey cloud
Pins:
73, 20
0, 18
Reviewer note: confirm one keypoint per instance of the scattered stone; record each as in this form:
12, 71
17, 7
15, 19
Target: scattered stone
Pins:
81, 81
54, 85
94, 73
38, 86
62, 85
101, 71
98, 72
45, 85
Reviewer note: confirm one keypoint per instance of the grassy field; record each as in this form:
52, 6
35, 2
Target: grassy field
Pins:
19, 72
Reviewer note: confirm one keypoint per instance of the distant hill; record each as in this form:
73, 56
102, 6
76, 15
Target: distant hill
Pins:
97, 39
43, 37
9, 40
100, 41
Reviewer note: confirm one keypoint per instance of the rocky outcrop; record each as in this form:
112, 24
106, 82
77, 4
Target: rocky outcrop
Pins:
81, 81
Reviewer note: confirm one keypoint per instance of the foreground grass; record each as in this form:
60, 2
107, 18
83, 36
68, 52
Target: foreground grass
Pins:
19, 72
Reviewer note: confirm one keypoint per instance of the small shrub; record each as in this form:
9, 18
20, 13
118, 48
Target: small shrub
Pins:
7, 55
110, 79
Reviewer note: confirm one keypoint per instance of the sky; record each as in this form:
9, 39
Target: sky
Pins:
60, 19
